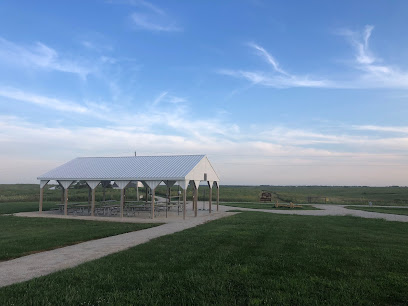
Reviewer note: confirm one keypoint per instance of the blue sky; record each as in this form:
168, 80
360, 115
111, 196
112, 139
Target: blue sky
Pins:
274, 92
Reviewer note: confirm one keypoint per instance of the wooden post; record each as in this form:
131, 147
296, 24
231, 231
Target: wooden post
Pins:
122, 199
210, 199
193, 194
169, 191
93, 203
153, 194
137, 191
184, 203
178, 195
41, 198
218, 195
66, 202
89, 195
62, 194
196, 202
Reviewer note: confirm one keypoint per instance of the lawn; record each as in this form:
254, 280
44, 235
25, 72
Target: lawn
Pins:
16, 207
268, 206
249, 258
21, 236
386, 210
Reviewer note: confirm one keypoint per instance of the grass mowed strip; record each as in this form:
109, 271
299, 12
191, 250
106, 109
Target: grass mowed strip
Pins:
268, 206
249, 258
385, 210
22, 236
16, 207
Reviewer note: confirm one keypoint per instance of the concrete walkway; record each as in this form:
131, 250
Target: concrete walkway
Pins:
39, 264
330, 210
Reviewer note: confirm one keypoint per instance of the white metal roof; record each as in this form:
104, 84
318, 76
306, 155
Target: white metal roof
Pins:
176, 167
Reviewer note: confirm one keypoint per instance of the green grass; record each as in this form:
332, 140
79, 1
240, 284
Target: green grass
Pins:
21, 236
268, 206
249, 258
386, 210
16, 207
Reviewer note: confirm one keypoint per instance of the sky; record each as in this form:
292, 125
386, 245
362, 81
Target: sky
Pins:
273, 92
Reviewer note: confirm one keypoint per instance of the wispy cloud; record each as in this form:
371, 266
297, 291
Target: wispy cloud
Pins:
167, 98
278, 78
41, 56
370, 71
150, 17
152, 23
52, 103
377, 128
375, 72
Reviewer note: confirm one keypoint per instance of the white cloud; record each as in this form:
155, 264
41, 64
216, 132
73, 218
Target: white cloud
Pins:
240, 161
276, 81
376, 128
15, 94
151, 22
269, 58
279, 78
374, 73
370, 71
41, 56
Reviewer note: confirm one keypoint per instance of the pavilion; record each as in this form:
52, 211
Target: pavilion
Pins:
150, 170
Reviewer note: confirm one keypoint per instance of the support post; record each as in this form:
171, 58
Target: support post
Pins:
92, 185
137, 191
65, 185
89, 195
41, 198
93, 203
152, 185
193, 194
62, 194
218, 195
153, 194
66, 202
122, 185
167, 207
184, 202
42, 185
196, 202
122, 199
209, 197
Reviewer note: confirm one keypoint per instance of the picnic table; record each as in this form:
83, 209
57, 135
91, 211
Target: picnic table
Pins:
69, 205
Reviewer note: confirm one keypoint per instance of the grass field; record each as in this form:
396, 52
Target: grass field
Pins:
386, 210
250, 258
15, 207
21, 236
267, 206
298, 195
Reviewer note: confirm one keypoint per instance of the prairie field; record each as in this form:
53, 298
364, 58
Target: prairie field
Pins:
25, 193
